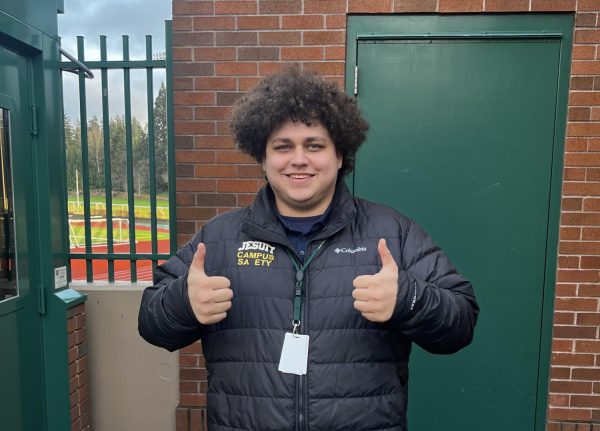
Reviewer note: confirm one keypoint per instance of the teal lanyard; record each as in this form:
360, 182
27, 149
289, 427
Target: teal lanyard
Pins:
300, 283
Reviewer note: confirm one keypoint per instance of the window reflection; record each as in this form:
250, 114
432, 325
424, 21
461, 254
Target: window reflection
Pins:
8, 279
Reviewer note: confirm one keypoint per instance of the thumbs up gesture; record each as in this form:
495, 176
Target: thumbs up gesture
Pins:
210, 297
375, 295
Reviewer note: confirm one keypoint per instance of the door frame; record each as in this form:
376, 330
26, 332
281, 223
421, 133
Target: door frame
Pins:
374, 27
25, 307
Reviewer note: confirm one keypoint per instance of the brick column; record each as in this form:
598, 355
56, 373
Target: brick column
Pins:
575, 372
78, 371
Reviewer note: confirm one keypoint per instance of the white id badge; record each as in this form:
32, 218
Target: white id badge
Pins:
294, 355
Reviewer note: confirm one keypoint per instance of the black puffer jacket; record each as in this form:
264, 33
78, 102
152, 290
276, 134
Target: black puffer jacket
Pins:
357, 370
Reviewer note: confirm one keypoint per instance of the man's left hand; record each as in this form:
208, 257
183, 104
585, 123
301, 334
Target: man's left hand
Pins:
375, 295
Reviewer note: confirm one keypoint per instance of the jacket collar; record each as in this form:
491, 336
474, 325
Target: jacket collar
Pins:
261, 220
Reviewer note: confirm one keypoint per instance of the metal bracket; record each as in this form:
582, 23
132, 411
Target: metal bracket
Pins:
34, 122
80, 66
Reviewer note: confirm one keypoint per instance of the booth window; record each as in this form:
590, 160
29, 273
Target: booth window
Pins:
8, 279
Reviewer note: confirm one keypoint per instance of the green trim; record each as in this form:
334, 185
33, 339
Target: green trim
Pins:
25, 35
555, 195
456, 35
50, 192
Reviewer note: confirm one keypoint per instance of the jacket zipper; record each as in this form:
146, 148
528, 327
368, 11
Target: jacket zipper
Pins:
301, 383
299, 418
302, 380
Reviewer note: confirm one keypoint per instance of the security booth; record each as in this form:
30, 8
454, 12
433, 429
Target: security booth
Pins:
37, 309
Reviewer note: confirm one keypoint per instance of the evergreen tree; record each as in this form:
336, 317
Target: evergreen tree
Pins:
160, 140
95, 154
73, 149
141, 178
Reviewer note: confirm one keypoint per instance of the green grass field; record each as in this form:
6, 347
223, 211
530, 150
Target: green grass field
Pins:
161, 200
120, 207
98, 230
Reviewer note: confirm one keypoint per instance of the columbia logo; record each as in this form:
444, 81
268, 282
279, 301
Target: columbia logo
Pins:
350, 250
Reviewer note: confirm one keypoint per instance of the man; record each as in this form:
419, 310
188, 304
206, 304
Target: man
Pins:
307, 302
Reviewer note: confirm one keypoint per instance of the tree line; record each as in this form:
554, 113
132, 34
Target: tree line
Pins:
118, 153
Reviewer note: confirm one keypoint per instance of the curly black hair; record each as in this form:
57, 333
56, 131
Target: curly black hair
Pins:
298, 95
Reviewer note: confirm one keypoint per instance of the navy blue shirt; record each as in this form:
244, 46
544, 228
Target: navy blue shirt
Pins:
300, 230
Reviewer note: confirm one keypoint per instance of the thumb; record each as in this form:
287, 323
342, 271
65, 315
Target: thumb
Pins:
387, 260
199, 256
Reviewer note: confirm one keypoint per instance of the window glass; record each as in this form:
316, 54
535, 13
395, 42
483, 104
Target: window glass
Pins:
8, 270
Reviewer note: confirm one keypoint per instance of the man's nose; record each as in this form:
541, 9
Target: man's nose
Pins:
299, 156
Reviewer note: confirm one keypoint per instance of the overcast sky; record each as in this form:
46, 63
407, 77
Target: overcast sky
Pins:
112, 18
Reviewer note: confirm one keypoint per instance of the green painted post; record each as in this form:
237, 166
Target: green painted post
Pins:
129, 150
84, 163
151, 149
171, 138
107, 165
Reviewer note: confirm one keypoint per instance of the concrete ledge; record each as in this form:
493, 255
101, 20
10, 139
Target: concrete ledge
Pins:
132, 384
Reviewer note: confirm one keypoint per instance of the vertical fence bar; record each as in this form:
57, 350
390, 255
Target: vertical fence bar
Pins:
151, 150
171, 138
129, 159
107, 166
89, 268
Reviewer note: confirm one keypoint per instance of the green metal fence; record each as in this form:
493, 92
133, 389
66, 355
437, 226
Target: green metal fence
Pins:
90, 211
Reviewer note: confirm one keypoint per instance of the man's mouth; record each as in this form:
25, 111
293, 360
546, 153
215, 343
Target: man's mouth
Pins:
299, 176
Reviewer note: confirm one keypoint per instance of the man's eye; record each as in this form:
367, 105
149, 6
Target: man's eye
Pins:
281, 147
314, 147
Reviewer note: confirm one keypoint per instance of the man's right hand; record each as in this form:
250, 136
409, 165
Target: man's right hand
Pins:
210, 297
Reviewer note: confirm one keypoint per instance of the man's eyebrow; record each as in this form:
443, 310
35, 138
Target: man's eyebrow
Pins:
307, 139
284, 140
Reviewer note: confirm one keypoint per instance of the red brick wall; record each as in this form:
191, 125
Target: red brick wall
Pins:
78, 371
223, 47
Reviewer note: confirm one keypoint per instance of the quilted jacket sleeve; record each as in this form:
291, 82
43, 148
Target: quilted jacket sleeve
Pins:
166, 318
436, 306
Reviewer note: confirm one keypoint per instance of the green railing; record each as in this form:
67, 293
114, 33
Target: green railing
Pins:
128, 214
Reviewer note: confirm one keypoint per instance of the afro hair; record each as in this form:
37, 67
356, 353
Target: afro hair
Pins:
298, 95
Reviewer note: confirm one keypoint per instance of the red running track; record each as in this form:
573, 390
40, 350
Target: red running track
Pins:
122, 267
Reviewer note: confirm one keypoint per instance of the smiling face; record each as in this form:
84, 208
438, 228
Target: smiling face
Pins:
301, 164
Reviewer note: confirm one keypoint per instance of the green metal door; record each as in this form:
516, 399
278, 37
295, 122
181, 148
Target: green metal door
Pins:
467, 119
21, 375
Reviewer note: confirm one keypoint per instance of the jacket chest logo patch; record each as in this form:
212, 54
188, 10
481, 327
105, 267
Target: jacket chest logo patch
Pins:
359, 249
255, 253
